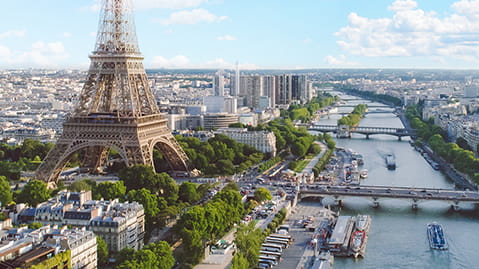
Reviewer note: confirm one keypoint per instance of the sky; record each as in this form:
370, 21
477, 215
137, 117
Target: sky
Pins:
259, 34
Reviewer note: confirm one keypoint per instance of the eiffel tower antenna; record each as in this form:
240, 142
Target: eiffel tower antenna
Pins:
116, 109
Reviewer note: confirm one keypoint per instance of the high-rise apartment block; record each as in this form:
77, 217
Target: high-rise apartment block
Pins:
280, 89
219, 83
251, 87
268, 90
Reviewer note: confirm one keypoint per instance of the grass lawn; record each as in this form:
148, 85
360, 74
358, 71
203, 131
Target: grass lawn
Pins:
301, 165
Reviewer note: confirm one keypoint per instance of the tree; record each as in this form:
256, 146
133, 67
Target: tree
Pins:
166, 187
5, 191
164, 255
35, 225
124, 255
239, 262
81, 185
262, 194
236, 125
298, 148
225, 167
34, 192
141, 259
110, 191
248, 241
188, 193
137, 177
147, 199
102, 250
314, 149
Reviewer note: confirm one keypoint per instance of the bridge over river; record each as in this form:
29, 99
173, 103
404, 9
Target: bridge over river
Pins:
345, 131
416, 195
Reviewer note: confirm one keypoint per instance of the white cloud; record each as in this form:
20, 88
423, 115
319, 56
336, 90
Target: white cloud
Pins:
40, 54
403, 5
12, 33
226, 37
67, 34
175, 62
5, 52
339, 61
192, 17
307, 40
181, 61
412, 31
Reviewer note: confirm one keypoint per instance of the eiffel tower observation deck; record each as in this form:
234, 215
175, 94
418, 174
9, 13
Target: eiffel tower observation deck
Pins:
116, 109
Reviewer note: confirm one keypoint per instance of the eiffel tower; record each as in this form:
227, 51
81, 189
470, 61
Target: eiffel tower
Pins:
116, 109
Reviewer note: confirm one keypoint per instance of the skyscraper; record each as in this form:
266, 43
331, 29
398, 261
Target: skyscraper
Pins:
283, 92
269, 85
219, 83
251, 89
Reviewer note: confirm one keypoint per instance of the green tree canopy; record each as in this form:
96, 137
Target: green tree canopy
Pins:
34, 192
82, 185
262, 194
5, 191
35, 225
110, 191
147, 199
187, 192
102, 250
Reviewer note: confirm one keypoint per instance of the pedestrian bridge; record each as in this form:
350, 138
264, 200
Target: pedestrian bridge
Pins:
367, 131
375, 193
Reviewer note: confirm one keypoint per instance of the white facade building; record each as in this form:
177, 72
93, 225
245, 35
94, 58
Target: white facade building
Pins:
119, 224
263, 141
81, 243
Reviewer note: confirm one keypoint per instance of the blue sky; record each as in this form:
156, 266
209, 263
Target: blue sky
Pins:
257, 33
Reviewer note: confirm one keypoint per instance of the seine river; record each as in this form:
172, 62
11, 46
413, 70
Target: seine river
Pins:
397, 237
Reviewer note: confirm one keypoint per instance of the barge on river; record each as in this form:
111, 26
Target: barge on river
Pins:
390, 162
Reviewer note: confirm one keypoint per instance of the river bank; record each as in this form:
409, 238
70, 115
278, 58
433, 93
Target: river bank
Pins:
461, 180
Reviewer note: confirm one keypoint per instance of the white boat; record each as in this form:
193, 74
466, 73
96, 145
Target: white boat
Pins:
363, 173
363, 222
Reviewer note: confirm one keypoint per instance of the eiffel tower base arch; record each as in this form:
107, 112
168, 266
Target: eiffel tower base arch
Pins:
133, 138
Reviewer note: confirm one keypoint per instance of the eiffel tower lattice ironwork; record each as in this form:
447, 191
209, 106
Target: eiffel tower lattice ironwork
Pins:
116, 109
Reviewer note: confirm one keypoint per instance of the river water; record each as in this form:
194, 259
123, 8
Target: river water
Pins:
397, 238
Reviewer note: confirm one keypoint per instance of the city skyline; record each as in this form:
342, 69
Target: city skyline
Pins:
258, 34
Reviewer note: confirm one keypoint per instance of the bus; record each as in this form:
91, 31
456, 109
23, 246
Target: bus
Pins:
270, 253
287, 241
282, 243
272, 245
282, 236
266, 257
271, 249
